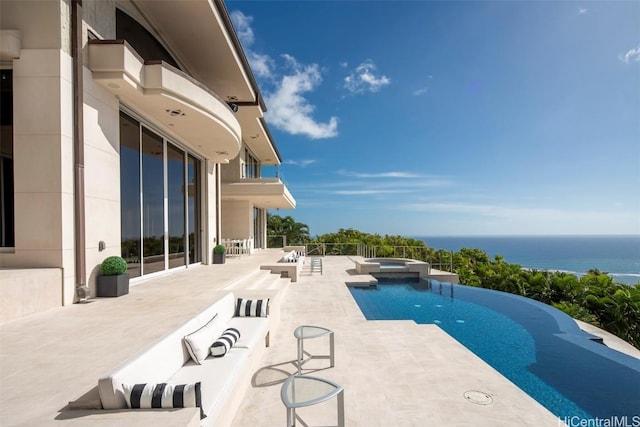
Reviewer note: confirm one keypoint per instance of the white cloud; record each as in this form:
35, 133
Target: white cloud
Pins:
290, 111
260, 64
381, 174
631, 55
366, 192
363, 79
242, 24
582, 11
301, 163
420, 91
538, 214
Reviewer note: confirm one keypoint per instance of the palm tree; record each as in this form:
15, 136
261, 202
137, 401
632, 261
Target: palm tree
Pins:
295, 232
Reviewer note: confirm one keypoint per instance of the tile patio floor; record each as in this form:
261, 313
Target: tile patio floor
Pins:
395, 373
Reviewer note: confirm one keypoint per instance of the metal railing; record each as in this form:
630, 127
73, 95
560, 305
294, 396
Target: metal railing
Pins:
438, 259
276, 241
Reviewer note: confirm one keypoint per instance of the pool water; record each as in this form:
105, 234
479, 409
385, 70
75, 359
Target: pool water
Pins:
537, 347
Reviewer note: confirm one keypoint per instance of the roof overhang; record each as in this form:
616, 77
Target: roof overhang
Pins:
179, 104
200, 34
267, 193
257, 136
10, 42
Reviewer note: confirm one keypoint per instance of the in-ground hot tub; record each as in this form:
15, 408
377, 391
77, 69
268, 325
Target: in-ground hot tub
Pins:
393, 267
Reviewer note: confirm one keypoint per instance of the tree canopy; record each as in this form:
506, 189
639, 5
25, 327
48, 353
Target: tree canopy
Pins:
295, 232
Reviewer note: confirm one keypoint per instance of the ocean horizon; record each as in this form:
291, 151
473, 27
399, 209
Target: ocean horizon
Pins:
619, 255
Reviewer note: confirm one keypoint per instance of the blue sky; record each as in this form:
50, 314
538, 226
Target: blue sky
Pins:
429, 118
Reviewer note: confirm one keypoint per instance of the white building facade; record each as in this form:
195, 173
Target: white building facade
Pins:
130, 128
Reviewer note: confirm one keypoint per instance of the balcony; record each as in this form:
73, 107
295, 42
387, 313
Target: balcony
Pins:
179, 104
267, 193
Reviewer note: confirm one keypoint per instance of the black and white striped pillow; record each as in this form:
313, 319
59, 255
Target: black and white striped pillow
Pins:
225, 342
163, 395
252, 308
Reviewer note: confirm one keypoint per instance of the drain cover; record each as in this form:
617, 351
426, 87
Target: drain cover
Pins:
478, 397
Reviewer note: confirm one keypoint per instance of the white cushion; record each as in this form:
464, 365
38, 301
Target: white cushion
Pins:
253, 331
218, 377
199, 342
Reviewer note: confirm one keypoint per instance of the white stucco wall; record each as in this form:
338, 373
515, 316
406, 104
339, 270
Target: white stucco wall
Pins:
43, 145
237, 219
43, 164
43, 152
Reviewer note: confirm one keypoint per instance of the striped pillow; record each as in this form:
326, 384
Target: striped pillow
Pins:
163, 395
252, 308
225, 342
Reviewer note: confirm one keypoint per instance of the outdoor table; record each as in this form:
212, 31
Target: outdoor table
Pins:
305, 332
302, 390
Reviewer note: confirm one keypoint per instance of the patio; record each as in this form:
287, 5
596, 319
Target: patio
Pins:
395, 373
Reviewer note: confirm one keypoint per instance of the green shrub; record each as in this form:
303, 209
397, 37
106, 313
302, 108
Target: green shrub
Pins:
219, 249
113, 266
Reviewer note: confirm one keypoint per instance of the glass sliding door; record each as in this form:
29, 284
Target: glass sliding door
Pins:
258, 227
152, 202
176, 202
160, 185
193, 209
7, 219
130, 228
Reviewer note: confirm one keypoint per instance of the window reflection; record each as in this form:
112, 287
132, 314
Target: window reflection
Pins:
152, 202
176, 199
130, 193
193, 208
144, 218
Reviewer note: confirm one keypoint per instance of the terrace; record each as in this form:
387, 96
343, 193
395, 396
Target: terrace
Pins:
393, 372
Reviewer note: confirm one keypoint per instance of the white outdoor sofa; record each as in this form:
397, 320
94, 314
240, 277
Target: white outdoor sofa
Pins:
224, 380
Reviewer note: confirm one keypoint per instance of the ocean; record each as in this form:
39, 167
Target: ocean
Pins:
619, 256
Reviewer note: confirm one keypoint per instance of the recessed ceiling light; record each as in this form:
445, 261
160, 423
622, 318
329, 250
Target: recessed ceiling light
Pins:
175, 113
222, 153
113, 85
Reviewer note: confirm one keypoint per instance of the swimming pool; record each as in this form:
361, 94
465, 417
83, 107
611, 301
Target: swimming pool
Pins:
537, 347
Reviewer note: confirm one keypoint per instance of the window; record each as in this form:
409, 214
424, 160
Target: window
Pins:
7, 223
251, 165
131, 224
193, 208
144, 43
258, 227
160, 212
175, 193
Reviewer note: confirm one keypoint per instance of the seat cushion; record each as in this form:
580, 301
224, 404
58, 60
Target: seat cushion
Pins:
252, 331
217, 376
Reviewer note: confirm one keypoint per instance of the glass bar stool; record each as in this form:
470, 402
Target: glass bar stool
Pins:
305, 332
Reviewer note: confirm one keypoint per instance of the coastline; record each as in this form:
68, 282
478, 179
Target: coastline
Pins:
617, 255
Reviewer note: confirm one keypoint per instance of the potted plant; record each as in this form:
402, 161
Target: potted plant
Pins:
219, 253
113, 280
